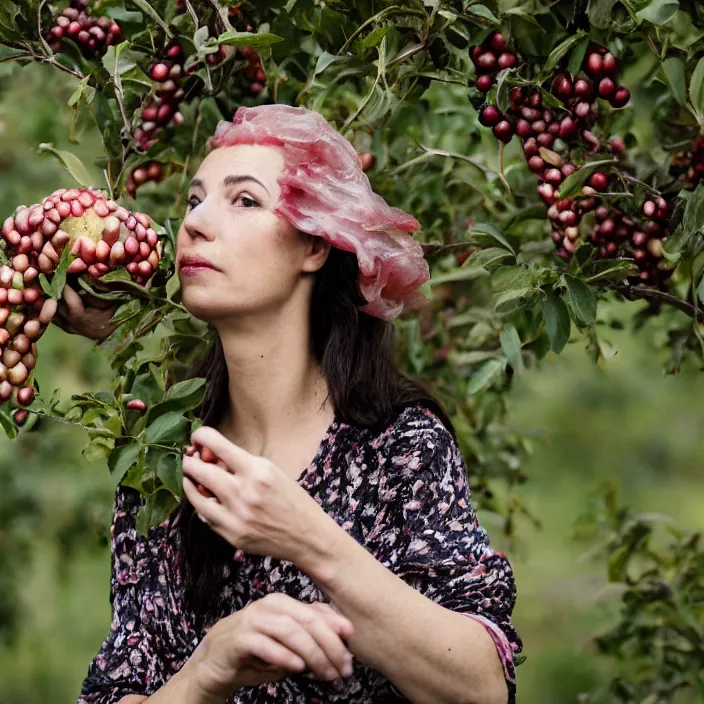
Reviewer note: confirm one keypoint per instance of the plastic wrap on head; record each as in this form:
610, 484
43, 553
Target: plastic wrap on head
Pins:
325, 193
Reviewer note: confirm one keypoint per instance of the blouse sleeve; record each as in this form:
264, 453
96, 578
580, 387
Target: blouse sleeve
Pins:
135, 657
427, 532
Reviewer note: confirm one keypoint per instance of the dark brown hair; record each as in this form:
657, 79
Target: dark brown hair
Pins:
357, 355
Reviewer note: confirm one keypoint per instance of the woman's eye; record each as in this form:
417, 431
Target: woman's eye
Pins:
191, 203
247, 202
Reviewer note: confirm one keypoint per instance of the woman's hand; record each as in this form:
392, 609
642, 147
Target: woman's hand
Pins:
269, 639
256, 507
87, 315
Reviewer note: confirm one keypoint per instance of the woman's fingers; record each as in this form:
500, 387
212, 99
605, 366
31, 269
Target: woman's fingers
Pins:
342, 625
73, 302
302, 641
274, 654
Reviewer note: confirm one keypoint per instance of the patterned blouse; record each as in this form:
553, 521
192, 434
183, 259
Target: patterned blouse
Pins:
403, 494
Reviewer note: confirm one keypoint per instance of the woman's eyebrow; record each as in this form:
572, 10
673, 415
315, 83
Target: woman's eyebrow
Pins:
196, 183
234, 180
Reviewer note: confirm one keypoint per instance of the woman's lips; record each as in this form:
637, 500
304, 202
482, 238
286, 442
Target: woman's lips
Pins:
194, 265
195, 269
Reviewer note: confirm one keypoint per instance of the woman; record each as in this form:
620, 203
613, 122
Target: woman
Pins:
339, 558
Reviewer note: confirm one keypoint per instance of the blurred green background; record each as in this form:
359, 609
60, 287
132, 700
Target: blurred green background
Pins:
624, 422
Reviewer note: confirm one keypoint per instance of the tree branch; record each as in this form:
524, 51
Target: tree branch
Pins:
635, 293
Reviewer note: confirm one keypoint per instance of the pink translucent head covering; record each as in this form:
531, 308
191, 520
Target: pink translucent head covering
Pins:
324, 192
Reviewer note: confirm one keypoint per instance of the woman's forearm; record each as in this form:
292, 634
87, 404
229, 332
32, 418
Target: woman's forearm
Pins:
430, 653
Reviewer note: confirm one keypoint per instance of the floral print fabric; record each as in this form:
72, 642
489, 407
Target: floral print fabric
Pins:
403, 494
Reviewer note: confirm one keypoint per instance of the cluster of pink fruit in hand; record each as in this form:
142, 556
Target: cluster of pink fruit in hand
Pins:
92, 34
102, 236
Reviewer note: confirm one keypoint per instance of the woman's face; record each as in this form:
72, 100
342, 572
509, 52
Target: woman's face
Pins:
252, 259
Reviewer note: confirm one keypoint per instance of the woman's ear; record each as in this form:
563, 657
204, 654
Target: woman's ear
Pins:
317, 253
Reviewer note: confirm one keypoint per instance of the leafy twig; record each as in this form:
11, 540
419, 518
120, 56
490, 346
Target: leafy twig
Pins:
502, 178
29, 56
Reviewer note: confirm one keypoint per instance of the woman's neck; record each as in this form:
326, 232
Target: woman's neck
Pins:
276, 388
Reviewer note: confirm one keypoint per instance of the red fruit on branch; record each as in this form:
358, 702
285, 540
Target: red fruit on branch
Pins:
507, 60
497, 42
489, 116
503, 131
606, 87
608, 64
621, 97
136, 404
484, 83
486, 61
582, 89
159, 72
599, 181
595, 64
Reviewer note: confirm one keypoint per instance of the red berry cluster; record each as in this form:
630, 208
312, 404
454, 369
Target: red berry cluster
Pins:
102, 236
489, 58
152, 171
548, 135
162, 111
92, 34
690, 165
253, 72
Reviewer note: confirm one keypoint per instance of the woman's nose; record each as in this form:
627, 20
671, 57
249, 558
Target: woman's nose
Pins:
196, 223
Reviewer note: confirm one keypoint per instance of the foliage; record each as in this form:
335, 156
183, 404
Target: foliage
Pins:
398, 80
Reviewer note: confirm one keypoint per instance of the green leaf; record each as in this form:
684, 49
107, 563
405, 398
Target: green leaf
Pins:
119, 59
503, 89
258, 41
486, 229
482, 11
693, 218
659, 11
146, 7
574, 181
156, 509
673, 68
169, 469
485, 375
324, 60
372, 39
126, 311
58, 281
582, 299
464, 273
557, 322
71, 163
171, 427
515, 299
122, 458
7, 423
616, 567
559, 51
577, 56
511, 344
46, 285
696, 88
600, 12
189, 393
512, 277
490, 255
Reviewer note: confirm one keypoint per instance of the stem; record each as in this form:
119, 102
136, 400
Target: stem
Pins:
634, 293
501, 170
406, 55
453, 155
633, 179
28, 56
